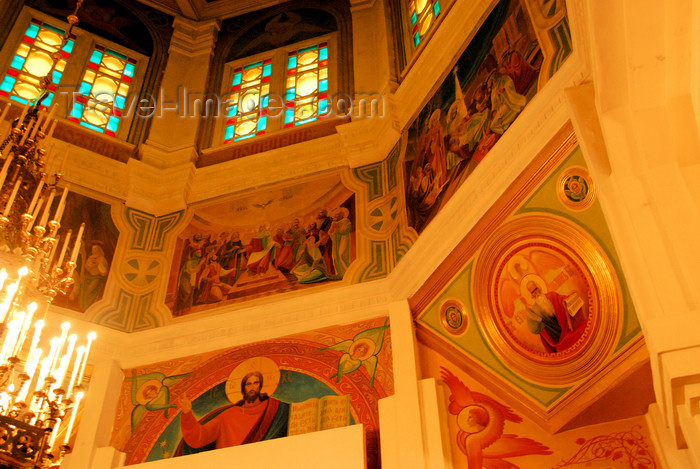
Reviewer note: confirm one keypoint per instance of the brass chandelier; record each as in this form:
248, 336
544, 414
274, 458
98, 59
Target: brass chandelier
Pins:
39, 392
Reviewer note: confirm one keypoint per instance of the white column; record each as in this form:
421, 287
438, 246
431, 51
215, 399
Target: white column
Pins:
645, 57
95, 430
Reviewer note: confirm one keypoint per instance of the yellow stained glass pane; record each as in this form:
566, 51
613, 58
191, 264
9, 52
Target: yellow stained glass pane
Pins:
60, 65
265, 90
420, 5
308, 57
322, 73
38, 63
245, 127
31, 80
103, 88
306, 111
26, 91
426, 24
250, 101
308, 83
111, 73
291, 81
49, 37
123, 89
307, 67
251, 84
113, 63
251, 74
89, 76
23, 49
95, 117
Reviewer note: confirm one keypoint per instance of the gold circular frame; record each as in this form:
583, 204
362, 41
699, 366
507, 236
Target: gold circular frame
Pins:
453, 318
575, 188
590, 270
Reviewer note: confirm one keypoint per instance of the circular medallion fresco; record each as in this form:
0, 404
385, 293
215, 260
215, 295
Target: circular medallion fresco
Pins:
575, 188
547, 298
453, 317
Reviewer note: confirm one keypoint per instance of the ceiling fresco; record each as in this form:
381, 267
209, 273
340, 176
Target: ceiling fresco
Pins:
534, 296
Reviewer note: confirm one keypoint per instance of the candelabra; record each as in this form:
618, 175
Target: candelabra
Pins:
39, 397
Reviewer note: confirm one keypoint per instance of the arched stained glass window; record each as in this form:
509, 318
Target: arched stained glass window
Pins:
101, 97
32, 61
422, 14
247, 103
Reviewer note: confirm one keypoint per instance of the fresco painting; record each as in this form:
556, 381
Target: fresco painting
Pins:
256, 392
97, 249
270, 241
492, 81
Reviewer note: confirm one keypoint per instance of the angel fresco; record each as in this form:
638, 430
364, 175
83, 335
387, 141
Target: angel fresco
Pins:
481, 421
360, 350
151, 392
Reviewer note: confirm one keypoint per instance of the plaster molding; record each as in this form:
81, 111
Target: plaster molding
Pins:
89, 170
368, 141
193, 38
158, 191
161, 157
358, 5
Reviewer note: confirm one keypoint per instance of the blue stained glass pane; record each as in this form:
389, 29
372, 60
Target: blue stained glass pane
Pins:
96, 56
129, 70
53, 28
436, 8
119, 101
262, 123
18, 99
323, 53
416, 40
267, 69
90, 126
32, 30
256, 64
288, 116
236, 79
17, 62
306, 49
290, 95
7, 84
113, 123
56, 76
69, 46
85, 88
48, 100
232, 109
244, 137
116, 54
77, 110
264, 102
305, 121
229, 132
322, 106
292, 62
414, 18
323, 85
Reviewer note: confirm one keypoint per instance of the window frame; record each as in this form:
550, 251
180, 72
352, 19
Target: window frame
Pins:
76, 64
278, 78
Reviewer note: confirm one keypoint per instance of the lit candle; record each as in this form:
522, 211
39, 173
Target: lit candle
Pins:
4, 308
91, 337
43, 372
61, 205
3, 277
52, 354
37, 194
10, 338
24, 328
65, 360
63, 249
76, 248
76, 369
38, 326
8, 206
62, 340
47, 209
52, 440
33, 360
71, 422
6, 167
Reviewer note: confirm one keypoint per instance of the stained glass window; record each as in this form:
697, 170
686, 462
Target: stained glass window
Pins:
102, 93
247, 101
32, 61
306, 93
422, 14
